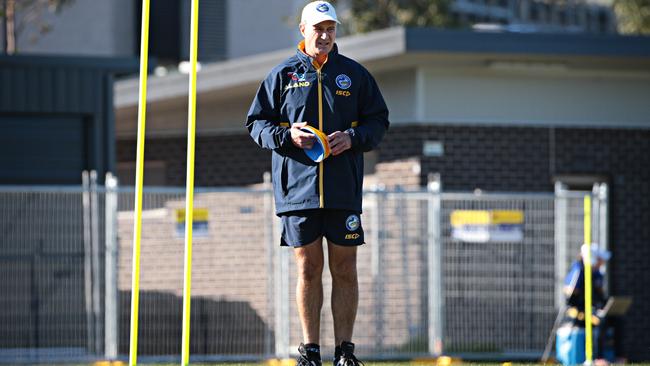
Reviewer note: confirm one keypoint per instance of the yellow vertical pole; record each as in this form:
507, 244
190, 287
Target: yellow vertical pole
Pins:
189, 190
587, 265
139, 172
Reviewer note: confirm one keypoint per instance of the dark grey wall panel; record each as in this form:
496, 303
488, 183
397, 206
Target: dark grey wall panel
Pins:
44, 150
59, 110
212, 30
65, 90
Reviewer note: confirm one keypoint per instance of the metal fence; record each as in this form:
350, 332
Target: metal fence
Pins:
65, 273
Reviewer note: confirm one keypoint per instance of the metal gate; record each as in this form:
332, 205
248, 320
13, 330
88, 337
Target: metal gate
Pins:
475, 275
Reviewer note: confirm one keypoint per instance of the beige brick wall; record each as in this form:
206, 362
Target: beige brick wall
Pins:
229, 263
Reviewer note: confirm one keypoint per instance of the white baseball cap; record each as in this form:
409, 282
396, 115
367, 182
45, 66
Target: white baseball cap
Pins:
318, 11
596, 253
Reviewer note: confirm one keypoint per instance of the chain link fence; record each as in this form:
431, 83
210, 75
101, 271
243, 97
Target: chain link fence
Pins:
471, 275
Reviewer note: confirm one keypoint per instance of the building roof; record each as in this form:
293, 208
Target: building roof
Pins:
567, 44
397, 48
116, 65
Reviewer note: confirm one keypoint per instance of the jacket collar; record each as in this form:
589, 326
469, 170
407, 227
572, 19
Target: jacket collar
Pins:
309, 61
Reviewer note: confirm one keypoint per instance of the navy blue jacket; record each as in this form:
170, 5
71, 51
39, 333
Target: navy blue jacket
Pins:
574, 284
339, 96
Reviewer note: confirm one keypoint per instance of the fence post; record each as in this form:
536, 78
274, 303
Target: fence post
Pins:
281, 280
94, 234
603, 223
436, 298
88, 279
401, 214
282, 302
595, 215
377, 268
271, 280
111, 295
561, 243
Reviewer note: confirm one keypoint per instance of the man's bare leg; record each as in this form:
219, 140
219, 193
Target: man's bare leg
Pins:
345, 290
309, 290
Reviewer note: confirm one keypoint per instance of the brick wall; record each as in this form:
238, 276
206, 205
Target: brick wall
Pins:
229, 160
621, 155
493, 159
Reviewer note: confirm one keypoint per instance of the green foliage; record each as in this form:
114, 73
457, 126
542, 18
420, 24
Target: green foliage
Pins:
369, 15
362, 16
633, 16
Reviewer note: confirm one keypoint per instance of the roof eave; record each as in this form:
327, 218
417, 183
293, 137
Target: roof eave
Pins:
251, 69
382, 49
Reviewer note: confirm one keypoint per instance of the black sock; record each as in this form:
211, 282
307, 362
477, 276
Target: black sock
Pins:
337, 352
312, 351
347, 348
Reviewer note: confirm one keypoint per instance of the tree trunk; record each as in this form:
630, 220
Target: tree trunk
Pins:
10, 32
4, 23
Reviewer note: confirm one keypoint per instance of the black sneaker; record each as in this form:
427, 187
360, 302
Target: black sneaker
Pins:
308, 355
344, 355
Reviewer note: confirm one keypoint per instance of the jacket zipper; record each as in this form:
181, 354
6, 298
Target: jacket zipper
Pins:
320, 127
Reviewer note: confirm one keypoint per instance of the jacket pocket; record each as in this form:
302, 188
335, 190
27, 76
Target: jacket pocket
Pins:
352, 158
284, 176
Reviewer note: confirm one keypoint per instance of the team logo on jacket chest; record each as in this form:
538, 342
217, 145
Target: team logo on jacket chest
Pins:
343, 81
297, 80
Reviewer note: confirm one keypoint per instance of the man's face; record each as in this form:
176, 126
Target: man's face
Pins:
319, 38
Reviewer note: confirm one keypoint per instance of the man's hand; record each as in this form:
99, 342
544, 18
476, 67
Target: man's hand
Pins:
301, 138
339, 142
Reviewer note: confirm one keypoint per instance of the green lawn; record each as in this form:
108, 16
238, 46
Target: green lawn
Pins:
324, 363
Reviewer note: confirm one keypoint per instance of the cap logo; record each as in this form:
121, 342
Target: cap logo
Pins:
352, 223
343, 81
323, 8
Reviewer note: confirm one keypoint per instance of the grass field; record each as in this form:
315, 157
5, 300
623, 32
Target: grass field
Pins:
325, 363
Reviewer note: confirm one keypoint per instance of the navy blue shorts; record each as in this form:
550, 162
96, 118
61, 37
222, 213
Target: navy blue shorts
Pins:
340, 227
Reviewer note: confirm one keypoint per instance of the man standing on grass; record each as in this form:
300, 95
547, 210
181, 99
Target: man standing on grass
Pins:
318, 111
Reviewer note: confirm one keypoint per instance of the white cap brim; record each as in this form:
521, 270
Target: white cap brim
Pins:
596, 253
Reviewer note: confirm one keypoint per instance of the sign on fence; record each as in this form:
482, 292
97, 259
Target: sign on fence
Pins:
199, 223
482, 226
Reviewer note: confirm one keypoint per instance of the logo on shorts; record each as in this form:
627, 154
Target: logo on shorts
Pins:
352, 236
352, 223
343, 81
